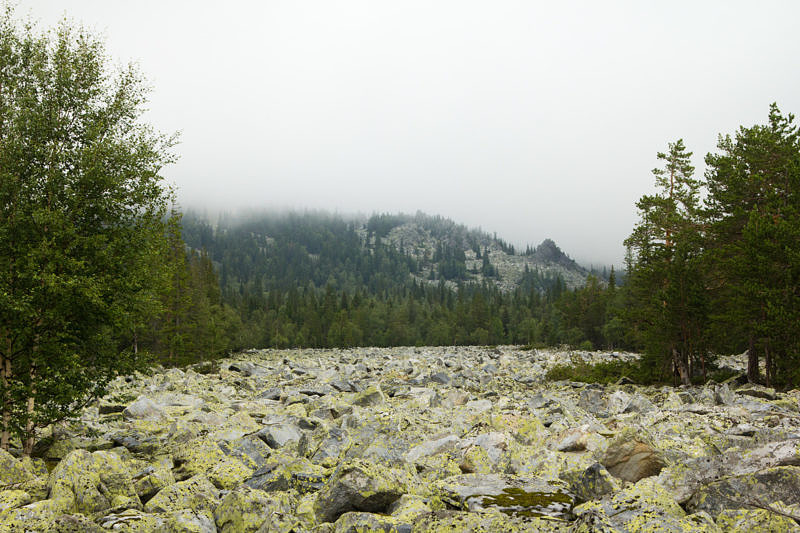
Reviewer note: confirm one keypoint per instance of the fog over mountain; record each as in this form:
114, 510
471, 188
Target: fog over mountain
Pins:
527, 119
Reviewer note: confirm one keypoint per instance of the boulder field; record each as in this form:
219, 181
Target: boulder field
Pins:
410, 439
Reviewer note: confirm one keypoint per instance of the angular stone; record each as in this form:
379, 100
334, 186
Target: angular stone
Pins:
280, 434
94, 482
362, 486
739, 492
594, 483
246, 510
144, 409
431, 447
196, 493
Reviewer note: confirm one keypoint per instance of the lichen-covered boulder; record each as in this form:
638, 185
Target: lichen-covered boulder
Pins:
279, 434
132, 521
250, 450
196, 493
189, 521
370, 397
11, 499
360, 485
752, 520
485, 521
36, 516
738, 492
326, 445
75, 523
360, 522
643, 507
93, 482
152, 478
206, 456
431, 447
13, 472
593, 483
246, 510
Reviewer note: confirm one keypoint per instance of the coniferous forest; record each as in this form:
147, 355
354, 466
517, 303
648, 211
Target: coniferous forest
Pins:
713, 267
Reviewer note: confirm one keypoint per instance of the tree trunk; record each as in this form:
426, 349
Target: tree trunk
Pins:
30, 426
680, 366
5, 371
752, 363
768, 364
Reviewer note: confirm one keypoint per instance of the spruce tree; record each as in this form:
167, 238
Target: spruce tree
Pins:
754, 212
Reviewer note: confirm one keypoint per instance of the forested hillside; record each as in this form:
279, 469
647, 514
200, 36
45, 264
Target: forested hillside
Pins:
711, 268
321, 280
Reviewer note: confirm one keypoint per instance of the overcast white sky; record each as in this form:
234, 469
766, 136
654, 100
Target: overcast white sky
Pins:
529, 119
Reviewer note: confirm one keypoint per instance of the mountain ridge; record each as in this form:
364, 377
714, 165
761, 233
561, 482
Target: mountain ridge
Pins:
322, 248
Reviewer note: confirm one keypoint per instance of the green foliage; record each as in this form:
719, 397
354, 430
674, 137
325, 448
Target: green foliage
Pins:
667, 302
605, 373
754, 229
81, 221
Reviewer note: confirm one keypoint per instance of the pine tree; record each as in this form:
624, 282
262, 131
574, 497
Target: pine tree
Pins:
664, 274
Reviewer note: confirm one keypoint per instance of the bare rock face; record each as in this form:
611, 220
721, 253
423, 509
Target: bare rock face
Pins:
632, 460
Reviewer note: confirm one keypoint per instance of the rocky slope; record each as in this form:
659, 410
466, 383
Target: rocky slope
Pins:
419, 238
410, 439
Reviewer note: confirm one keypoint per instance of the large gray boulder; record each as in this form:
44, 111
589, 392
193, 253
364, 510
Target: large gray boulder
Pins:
362, 486
144, 409
742, 492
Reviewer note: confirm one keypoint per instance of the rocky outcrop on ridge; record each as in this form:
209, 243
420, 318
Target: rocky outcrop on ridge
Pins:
406, 440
